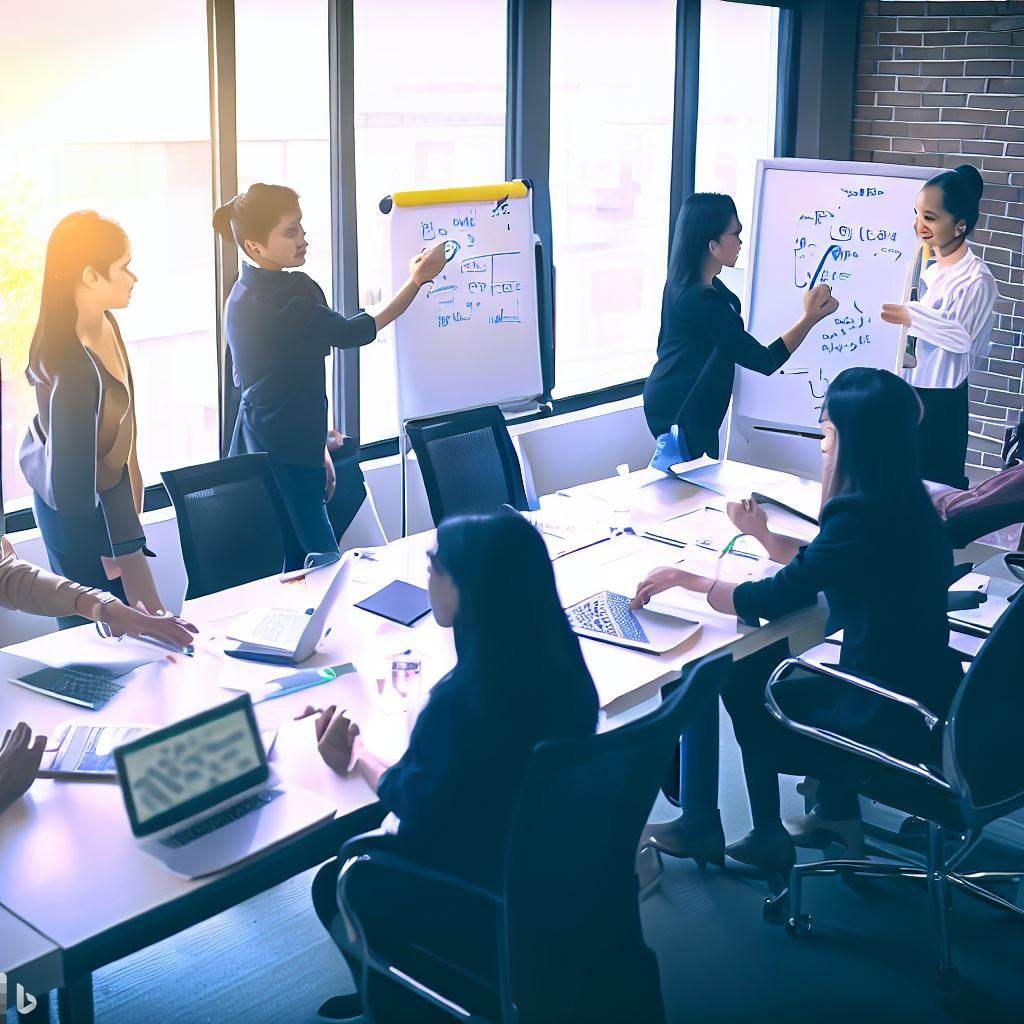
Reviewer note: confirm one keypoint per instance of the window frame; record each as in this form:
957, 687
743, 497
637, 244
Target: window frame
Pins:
527, 154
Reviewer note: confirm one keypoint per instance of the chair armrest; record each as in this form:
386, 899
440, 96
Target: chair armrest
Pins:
356, 852
846, 743
931, 719
366, 850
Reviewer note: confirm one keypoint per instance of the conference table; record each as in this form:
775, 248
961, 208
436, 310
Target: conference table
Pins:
70, 869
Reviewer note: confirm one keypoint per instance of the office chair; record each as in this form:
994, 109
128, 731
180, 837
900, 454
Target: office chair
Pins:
467, 462
233, 523
980, 779
568, 902
351, 510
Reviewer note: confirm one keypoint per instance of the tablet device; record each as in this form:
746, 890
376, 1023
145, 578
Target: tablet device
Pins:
399, 601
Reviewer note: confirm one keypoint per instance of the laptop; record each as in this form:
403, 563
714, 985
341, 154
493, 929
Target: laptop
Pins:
200, 796
286, 637
606, 616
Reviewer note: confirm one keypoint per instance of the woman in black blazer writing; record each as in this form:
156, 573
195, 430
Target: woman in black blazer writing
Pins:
876, 522
702, 339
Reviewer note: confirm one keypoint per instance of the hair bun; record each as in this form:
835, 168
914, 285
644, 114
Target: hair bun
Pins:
971, 178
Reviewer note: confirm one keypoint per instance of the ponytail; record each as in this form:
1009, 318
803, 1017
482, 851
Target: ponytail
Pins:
253, 214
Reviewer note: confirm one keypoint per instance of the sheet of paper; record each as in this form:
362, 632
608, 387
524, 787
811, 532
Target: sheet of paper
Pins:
709, 529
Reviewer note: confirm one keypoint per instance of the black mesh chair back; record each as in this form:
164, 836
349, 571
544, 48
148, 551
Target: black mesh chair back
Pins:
467, 462
982, 757
233, 523
571, 896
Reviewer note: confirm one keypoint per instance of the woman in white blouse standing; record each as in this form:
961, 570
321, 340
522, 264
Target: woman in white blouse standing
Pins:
951, 320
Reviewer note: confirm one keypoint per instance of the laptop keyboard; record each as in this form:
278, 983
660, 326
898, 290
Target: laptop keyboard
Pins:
277, 629
205, 826
607, 613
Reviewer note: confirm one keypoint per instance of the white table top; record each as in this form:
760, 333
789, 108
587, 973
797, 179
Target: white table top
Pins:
62, 833
27, 957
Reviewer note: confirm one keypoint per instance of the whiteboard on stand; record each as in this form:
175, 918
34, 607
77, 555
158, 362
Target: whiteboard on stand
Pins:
847, 225
471, 337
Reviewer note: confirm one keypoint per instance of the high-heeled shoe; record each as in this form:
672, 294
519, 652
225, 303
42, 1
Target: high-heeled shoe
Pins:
767, 853
815, 832
679, 838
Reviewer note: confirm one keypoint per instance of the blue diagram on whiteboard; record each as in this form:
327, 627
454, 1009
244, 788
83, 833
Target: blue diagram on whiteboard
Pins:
472, 336
475, 283
851, 230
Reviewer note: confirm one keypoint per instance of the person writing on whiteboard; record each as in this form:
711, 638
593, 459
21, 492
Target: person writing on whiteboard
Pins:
702, 339
951, 320
280, 330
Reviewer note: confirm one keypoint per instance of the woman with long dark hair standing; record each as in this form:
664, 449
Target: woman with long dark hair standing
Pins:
951, 320
520, 679
894, 632
79, 455
702, 338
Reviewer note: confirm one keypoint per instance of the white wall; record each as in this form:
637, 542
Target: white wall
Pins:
561, 451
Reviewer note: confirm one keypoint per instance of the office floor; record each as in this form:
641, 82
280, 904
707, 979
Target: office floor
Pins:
870, 958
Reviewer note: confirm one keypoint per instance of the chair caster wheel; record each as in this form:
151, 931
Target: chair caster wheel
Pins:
799, 926
948, 979
774, 910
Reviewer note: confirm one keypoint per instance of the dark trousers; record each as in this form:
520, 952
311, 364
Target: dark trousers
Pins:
942, 435
74, 545
410, 924
765, 746
303, 490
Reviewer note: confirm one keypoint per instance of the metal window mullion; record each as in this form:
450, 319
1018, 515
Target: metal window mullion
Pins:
685, 111
787, 80
344, 229
220, 25
528, 142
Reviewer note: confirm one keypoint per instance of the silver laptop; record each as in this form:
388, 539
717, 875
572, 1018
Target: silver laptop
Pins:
607, 616
200, 796
284, 636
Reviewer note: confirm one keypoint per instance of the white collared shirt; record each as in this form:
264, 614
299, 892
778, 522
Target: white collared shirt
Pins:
952, 321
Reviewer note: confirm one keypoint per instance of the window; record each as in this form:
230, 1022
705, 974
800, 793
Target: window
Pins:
612, 92
284, 134
429, 113
736, 105
110, 112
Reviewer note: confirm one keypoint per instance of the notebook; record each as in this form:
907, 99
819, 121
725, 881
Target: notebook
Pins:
399, 601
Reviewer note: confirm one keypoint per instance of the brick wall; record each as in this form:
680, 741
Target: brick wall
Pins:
940, 84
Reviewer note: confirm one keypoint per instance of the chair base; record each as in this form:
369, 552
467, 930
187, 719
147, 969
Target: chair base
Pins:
940, 874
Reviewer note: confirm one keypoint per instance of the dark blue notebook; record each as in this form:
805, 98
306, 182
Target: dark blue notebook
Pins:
399, 601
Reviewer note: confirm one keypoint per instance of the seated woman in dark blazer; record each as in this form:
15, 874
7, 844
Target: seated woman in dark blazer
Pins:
520, 679
884, 563
702, 339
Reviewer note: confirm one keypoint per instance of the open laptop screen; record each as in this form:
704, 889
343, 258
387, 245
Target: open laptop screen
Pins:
173, 773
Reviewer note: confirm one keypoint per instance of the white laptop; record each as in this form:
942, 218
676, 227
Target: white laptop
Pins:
200, 796
283, 636
606, 616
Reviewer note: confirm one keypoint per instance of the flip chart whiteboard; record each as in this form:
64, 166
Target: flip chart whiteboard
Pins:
847, 225
471, 337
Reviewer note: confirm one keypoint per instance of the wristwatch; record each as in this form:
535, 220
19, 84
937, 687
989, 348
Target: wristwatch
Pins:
103, 598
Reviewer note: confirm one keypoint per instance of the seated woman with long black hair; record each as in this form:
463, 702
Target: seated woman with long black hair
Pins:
702, 339
520, 679
884, 563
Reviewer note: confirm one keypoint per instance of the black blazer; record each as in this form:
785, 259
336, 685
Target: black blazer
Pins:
885, 574
701, 342
455, 789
